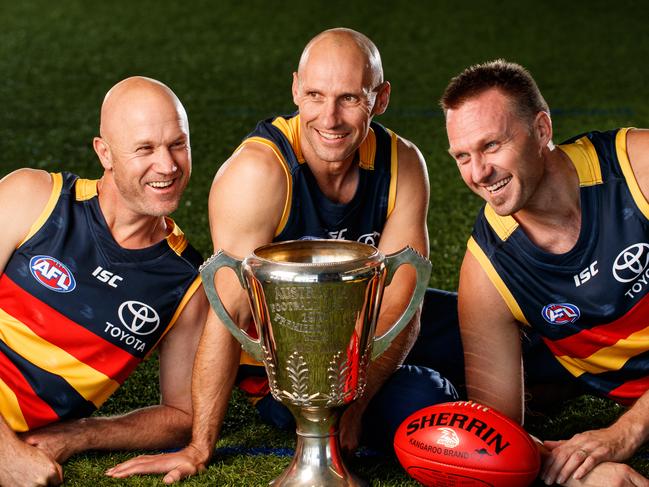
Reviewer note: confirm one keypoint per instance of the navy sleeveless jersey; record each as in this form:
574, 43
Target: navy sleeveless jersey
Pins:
78, 312
309, 213
589, 304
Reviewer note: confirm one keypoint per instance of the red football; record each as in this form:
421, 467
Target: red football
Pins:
466, 444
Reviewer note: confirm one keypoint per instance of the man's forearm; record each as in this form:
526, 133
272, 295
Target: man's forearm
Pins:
214, 374
634, 424
148, 428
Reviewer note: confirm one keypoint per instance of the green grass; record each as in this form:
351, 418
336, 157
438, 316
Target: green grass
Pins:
231, 63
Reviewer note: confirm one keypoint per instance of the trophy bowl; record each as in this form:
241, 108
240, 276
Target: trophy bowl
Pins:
315, 304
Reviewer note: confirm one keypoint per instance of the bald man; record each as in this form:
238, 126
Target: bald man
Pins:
328, 171
94, 276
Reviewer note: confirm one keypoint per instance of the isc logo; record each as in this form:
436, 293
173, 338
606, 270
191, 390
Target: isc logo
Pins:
106, 276
586, 275
52, 274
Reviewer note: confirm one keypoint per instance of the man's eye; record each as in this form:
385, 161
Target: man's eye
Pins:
491, 145
462, 158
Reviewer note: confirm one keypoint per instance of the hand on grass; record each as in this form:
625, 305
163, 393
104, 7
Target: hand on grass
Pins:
175, 466
583, 452
29, 466
609, 474
56, 440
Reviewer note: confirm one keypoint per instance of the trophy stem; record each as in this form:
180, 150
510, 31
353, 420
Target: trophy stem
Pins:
317, 461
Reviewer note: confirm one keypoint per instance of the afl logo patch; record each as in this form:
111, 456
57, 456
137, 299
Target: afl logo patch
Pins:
560, 314
52, 274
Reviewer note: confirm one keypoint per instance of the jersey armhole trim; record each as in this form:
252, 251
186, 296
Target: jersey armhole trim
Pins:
287, 173
57, 186
394, 172
496, 280
627, 171
181, 306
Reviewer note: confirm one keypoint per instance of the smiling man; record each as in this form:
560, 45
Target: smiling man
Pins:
559, 250
94, 277
328, 171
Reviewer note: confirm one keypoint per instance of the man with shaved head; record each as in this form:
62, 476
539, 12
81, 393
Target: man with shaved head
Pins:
94, 276
327, 171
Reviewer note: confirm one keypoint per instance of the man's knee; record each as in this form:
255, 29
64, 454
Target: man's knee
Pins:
438, 345
408, 390
275, 413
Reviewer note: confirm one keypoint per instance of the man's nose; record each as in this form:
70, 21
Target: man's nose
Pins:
165, 162
480, 169
331, 114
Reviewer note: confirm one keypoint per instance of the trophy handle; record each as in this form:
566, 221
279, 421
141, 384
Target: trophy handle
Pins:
208, 270
423, 268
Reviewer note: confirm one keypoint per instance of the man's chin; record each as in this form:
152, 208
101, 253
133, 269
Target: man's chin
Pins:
334, 156
502, 208
158, 210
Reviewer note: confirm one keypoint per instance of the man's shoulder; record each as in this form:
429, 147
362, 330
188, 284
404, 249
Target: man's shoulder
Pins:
411, 160
36, 183
27, 178
256, 159
252, 161
405, 146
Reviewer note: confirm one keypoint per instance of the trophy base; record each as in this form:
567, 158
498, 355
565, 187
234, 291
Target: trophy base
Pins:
317, 461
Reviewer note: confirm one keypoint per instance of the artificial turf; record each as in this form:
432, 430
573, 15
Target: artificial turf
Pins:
231, 63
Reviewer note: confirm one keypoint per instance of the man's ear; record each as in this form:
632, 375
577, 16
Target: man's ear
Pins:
543, 128
382, 98
295, 87
103, 152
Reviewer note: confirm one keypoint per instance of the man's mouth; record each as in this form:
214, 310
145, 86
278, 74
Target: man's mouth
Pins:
331, 135
495, 187
160, 184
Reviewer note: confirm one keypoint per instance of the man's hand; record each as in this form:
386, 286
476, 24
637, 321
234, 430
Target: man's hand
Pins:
175, 466
29, 467
54, 440
609, 474
581, 453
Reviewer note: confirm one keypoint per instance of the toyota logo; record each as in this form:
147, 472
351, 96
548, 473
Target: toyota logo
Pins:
138, 317
630, 263
370, 238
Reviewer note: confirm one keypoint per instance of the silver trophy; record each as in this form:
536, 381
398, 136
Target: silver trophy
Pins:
315, 304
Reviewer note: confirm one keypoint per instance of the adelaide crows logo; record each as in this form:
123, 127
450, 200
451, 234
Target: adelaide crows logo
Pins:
560, 314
